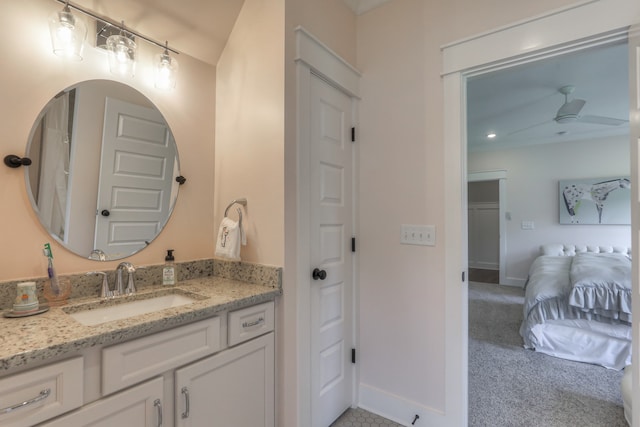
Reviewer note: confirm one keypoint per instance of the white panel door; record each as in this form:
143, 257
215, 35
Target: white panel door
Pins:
634, 96
135, 177
331, 223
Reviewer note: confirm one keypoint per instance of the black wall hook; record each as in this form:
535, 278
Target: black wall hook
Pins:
181, 179
14, 161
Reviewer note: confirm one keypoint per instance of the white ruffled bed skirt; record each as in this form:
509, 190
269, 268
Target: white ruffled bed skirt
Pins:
584, 341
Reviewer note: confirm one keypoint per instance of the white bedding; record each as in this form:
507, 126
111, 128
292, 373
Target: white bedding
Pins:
552, 326
601, 283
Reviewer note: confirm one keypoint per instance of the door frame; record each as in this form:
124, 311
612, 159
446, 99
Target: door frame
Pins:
315, 58
593, 22
501, 177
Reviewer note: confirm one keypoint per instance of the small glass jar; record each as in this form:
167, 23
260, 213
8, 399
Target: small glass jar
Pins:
61, 296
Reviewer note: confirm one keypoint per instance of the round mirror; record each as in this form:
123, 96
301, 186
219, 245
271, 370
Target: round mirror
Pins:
105, 171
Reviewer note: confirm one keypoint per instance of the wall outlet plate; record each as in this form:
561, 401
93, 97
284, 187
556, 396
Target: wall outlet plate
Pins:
422, 235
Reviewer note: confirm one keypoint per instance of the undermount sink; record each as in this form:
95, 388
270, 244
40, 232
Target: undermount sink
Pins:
91, 314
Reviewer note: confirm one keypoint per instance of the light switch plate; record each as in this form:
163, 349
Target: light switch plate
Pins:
528, 225
422, 235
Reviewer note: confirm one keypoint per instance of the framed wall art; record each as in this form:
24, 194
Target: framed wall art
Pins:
595, 201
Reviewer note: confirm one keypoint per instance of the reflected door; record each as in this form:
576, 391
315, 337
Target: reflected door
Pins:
136, 170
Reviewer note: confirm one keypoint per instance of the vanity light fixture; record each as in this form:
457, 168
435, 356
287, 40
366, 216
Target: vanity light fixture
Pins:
122, 54
122, 46
67, 33
491, 135
165, 70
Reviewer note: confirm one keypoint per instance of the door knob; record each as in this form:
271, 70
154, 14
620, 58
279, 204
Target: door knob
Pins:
105, 212
318, 274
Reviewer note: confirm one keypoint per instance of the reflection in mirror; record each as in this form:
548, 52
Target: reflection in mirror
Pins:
102, 180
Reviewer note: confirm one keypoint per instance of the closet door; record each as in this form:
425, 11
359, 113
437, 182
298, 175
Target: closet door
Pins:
484, 236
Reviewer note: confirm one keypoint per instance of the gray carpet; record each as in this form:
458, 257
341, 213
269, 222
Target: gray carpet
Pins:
511, 386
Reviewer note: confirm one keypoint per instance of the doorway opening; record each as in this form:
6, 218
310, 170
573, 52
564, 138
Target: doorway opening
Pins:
487, 215
534, 173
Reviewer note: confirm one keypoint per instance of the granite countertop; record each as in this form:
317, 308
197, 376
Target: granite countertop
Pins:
40, 337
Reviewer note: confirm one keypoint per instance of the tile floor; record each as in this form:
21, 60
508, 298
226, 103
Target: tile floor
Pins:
360, 418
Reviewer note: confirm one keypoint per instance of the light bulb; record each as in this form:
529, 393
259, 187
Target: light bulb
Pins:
166, 70
122, 55
67, 34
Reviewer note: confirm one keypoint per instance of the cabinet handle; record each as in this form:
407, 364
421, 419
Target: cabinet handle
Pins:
185, 391
43, 395
254, 323
158, 404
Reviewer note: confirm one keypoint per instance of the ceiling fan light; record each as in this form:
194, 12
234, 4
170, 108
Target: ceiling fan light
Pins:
67, 34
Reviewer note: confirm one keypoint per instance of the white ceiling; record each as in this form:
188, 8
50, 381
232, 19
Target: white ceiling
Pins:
198, 28
519, 103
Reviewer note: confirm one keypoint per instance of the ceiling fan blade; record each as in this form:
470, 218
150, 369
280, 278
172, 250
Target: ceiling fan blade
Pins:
600, 120
529, 127
571, 108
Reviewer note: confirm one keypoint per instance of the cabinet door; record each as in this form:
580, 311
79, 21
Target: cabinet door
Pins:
138, 406
233, 388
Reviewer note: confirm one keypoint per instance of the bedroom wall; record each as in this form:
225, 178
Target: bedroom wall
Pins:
532, 195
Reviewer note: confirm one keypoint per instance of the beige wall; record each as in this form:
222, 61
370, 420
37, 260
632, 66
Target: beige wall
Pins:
401, 181
32, 76
250, 128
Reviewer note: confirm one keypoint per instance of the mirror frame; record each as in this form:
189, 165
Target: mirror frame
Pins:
89, 112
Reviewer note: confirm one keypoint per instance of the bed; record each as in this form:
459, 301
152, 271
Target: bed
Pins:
578, 304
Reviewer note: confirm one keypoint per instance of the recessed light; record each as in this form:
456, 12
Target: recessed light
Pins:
491, 135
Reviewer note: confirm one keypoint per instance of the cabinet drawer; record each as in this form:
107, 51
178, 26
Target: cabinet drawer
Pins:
139, 406
38, 394
250, 322
134, 361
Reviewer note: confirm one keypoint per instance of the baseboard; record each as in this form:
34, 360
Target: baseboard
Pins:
398, 409
514, 281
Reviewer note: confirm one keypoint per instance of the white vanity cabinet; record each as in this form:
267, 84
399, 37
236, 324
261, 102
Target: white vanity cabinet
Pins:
213, 372
139, 406
134, 361
36, 395
234, 387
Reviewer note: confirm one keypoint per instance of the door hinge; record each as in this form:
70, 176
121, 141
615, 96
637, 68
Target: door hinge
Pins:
353, 134
353, 244
353, 355
463, 276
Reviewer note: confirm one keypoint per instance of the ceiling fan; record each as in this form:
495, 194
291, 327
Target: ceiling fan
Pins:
569, 112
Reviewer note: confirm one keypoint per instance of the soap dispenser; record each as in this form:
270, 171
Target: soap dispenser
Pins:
169, 270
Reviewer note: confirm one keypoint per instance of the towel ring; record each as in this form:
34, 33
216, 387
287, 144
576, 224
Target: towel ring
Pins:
242, 202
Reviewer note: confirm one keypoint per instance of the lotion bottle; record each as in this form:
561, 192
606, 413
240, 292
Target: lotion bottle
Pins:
169, 270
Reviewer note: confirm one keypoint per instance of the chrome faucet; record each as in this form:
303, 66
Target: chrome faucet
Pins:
105, 291
99, 253
131, 286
